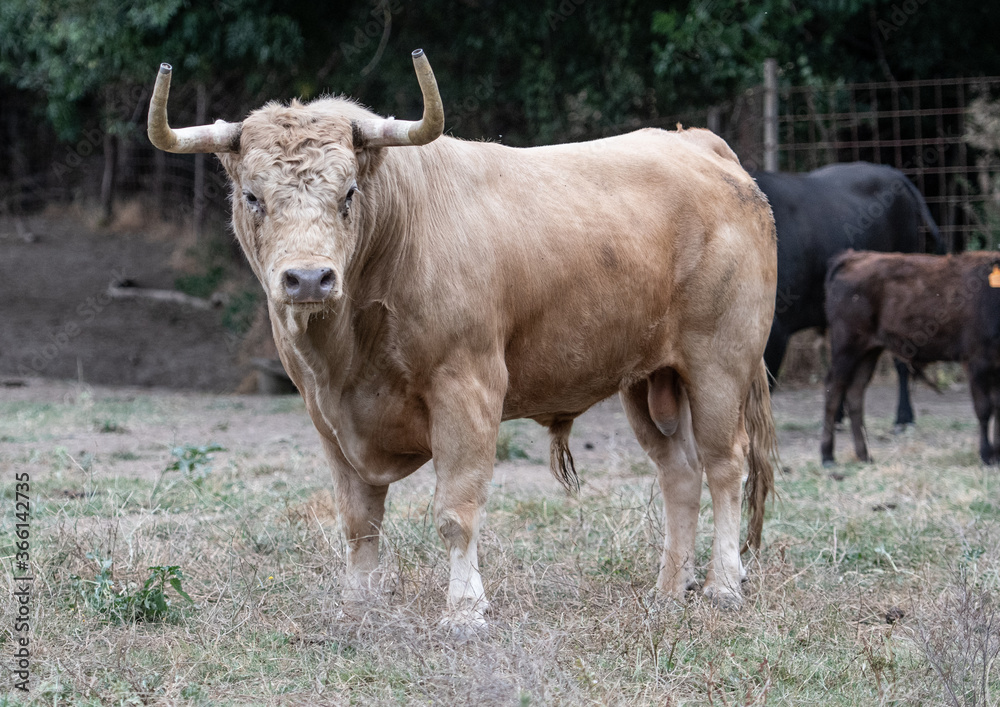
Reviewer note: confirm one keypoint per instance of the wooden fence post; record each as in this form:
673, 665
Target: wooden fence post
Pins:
715, 119
770, 115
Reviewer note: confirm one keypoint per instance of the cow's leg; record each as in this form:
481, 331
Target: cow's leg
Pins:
839, 417
995, 395
841, 372
855, 401
979, 383
361, 507
904, 409
996, 434
774, 352
678, 473
465, 410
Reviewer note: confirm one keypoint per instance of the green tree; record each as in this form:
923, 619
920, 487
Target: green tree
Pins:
83, 57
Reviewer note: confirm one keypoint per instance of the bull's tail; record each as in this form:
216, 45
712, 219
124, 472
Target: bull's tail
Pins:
925, 215
560, 458
763, 455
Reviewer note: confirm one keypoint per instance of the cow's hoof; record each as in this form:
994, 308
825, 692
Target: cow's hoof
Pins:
901, 428
827, 463
723, 598
465, 624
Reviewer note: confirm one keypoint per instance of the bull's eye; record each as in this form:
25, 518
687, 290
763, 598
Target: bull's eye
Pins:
351, 191
255, 204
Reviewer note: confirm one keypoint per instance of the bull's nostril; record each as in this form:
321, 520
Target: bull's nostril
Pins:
313, 285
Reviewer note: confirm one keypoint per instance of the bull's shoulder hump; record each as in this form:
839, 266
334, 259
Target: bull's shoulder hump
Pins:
707, 141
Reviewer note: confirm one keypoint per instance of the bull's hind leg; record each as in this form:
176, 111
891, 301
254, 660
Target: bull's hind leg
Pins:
361, 508
717, 410
650, 407
465, 409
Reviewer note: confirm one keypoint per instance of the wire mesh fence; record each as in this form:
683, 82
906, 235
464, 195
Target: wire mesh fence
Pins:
920, 127
40, 169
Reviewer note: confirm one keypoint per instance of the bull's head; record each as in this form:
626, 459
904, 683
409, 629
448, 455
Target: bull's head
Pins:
299, 176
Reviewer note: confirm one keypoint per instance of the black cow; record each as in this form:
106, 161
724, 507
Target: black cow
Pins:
817, 215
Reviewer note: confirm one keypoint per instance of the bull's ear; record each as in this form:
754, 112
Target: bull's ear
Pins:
369, 158
229, 162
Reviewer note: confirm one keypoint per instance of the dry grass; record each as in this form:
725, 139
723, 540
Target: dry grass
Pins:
879, 588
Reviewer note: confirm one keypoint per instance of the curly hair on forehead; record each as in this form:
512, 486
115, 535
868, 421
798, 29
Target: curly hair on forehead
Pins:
303, 140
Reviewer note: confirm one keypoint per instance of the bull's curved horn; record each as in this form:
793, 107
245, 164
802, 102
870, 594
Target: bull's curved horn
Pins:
220, 137
389, 132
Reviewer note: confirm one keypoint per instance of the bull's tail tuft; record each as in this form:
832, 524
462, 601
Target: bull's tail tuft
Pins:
560, 458
763, 456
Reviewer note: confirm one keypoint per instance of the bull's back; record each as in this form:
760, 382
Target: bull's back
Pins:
645, 240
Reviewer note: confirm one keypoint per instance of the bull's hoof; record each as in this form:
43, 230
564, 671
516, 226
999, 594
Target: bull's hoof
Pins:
352, 611
828, 463
901, 428
465, 624
678, 590
723, 598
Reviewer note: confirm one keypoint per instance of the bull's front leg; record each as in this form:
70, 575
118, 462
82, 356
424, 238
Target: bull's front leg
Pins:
361, 508
465, 409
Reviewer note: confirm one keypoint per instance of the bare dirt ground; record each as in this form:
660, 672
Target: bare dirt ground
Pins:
57, 321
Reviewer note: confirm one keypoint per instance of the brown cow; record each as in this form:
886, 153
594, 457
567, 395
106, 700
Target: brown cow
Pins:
922, 308
422, 289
